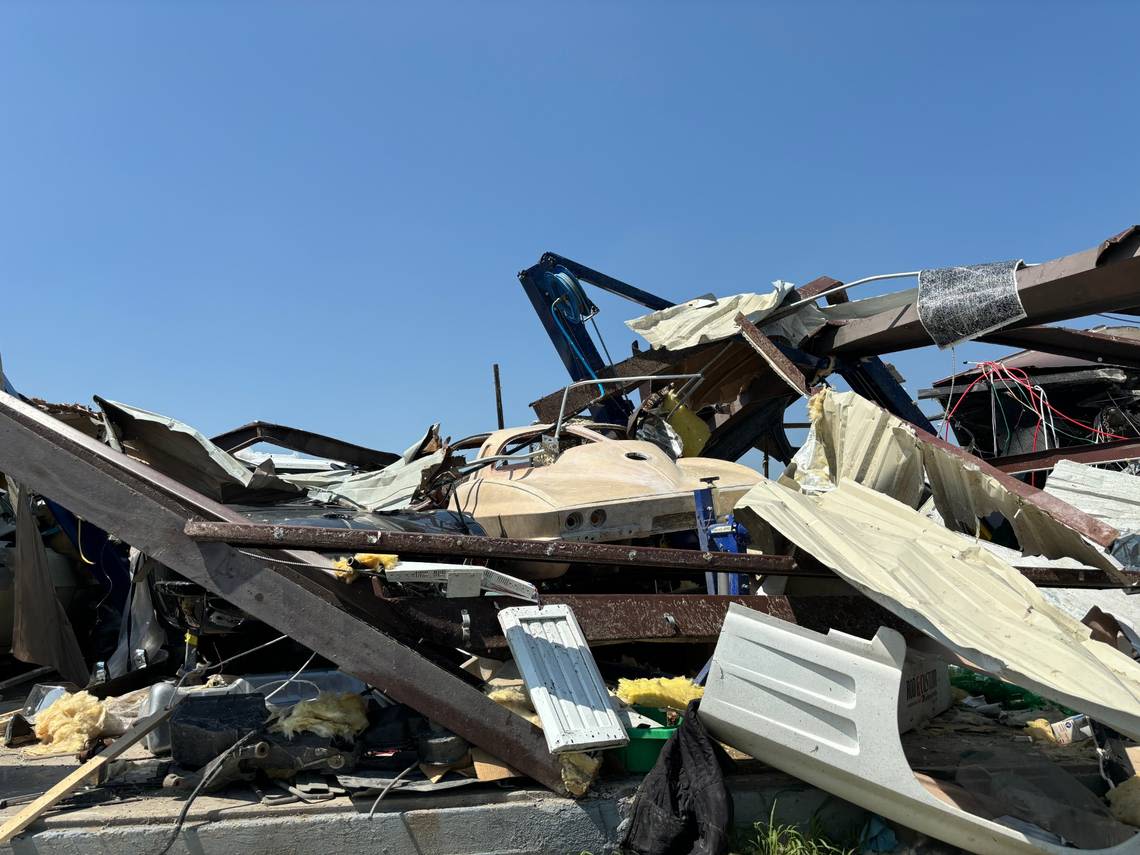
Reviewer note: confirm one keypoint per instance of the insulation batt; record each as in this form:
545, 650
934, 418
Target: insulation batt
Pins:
69, 725
517, 701
672, 692
1040, 730
328, 715
376, 560
346, 570
579, 768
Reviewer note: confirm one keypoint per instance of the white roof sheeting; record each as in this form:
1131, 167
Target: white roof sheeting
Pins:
958, 593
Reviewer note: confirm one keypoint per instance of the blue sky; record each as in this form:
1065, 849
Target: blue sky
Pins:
314, 213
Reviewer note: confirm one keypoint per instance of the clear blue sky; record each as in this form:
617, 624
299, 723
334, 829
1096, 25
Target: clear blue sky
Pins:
314, 212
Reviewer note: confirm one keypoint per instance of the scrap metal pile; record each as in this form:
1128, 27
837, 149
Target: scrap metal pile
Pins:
285, 610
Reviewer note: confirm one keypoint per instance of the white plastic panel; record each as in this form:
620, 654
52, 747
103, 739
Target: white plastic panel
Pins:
462, 580
824, 709
562, 678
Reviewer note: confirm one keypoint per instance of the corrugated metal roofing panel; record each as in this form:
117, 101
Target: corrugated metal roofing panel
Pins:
562, 678
955, 591
854, 438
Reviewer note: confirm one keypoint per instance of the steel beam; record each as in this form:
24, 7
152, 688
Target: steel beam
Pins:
817, 286
1101, 279
1099, 347
130, 500
471, 546
1069, 577
305, 442
752, 423
628, 618
601, 280
1039, 461
871, 378
1042, 577
780, 365
461, 546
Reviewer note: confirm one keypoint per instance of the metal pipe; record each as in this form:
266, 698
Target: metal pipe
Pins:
474, 546
602, 380
498, 396
784, 311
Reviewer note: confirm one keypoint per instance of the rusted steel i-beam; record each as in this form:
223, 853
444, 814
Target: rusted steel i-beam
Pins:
468, 546
783, 367
472, 546
132, 501
621, 618
1104, 278
1038, 461
1100, 347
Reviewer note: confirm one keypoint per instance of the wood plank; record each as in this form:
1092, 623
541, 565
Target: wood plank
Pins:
77, 777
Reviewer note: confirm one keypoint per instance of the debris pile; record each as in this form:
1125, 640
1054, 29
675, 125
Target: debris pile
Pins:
940, 633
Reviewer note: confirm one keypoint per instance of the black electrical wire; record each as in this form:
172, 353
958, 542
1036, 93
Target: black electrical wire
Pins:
207, 776
384, 791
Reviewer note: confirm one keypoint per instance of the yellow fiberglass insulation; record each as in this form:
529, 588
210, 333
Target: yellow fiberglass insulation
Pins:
673, 692
376, 560
328, 715
344, 570
517, 701
815, 407
347, 570
68, 725
579, 770
1124, 801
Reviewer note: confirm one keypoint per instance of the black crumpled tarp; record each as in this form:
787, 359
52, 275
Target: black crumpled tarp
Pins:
683, 806
41, 631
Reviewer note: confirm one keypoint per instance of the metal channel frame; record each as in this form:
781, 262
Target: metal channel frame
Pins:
1039, 461
304, 441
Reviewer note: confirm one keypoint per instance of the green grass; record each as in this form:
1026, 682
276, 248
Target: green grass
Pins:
769, 838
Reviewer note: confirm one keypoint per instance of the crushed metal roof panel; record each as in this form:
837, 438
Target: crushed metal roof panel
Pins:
388, 489
178, 450
712, 318
958, 593
848, 440
854, 438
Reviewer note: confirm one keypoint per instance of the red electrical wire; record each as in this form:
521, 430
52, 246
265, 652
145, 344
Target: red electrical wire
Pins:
1024, 381
987, 370
954, 409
